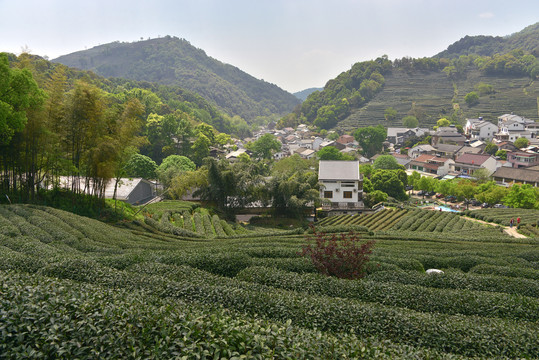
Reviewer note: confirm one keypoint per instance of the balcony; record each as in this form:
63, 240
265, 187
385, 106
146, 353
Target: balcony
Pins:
343, 206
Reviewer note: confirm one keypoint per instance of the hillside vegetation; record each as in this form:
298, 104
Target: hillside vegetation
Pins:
504, 78
173, 61
74, 287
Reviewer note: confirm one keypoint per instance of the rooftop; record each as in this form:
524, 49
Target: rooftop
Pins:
338, 170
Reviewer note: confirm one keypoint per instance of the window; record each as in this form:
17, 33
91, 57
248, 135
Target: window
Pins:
347, 194
328, 194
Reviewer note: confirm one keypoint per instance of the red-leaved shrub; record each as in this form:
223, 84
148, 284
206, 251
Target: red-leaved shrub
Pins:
341, 255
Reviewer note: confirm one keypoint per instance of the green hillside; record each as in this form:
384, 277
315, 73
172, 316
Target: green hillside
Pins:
173, 61
434, 96
75, 287
502, 71
527, 39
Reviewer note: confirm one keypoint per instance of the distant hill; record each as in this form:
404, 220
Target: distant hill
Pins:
502, 71
302, 95
527, 40
173, 61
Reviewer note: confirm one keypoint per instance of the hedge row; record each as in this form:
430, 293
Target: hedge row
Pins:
465, 302
460, 280
469, 336
58, 319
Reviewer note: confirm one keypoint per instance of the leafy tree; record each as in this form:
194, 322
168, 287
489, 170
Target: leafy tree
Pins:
374, 197
366, 170
446, 187
265, 146
491, 148
521, 142
492, 195
443, 122
332, 153
471, 98
502, 154
388, 181
410, 121
522, 196
426, 183
291, 194
207, 130
200, 149
172, 166
481, 175
291, 164
390, 114
386, 162
466, 190
141, 166
414, 178
18, 93
371, 138
222, 139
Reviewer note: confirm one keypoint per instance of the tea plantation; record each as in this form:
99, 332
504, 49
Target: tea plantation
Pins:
184, 284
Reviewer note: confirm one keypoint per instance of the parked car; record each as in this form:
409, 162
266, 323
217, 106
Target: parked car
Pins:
421, 192
475, 202
409, 187
450, 198
431, 193
485, 205
500, 206
439, 196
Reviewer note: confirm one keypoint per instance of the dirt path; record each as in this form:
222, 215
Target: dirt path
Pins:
506, 229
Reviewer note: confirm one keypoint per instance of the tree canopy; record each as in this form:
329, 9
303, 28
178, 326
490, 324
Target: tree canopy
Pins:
370, 139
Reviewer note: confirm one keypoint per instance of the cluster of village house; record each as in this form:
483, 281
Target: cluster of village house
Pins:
451, 154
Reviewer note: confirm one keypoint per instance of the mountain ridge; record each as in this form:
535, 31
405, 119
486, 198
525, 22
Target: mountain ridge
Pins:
173, 61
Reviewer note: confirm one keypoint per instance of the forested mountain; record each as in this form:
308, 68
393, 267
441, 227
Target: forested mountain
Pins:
302, 95
173, 61
527, 40
456, 87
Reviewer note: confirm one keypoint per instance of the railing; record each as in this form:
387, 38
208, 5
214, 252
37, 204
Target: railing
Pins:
343, 206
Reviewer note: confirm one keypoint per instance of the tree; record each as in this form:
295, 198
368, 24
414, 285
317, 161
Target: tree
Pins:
332, 153
388, 181
265, 146
522, 196
443, 122
521, 142
481, 175
471, 98
200, 149
446, 187
426, 183
291, 194
491, 148
390, 114
374, 197
141, 166
492, 195
502, 154
410, 121
366, 170
414, 178
386, 162
172, 166
466, 190
371, 138
18, 93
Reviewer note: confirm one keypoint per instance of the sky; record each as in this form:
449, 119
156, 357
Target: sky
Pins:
295, 44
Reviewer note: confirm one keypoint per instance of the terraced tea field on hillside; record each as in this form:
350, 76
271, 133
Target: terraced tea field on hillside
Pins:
72, 287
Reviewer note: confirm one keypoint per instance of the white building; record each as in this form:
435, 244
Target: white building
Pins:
341, 186
480, 129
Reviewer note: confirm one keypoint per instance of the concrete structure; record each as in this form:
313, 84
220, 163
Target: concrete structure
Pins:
447, 135
420, 150
466, 164
480, 129
400, 135
508, 176
341, 186
431, 164
520, 159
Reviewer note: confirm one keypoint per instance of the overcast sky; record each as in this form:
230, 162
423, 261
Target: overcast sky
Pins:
296, 44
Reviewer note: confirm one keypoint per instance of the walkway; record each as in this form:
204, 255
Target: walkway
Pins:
506, 229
